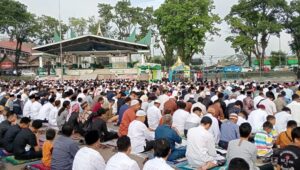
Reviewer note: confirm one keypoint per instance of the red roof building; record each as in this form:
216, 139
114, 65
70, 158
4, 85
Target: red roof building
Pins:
11, 45
9, 48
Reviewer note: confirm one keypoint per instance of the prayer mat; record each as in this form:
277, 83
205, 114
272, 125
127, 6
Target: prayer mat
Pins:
178, 162
144, 155
12, 160
4, 153
39, 167
112, 143
186, 166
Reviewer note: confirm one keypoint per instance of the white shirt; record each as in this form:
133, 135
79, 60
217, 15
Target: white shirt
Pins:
241, 120
187, 97
145, 106
270, 106
241, 97
193, 120
24, 97
88, 159
33, 92
256, 119
265, 90
200, 147
120, 161
62, 100
214, 98
157, 164
163, 98
26, 109
289, 93
179, 119
256, 100
2, 118
58, 96
138, 133
45, 111
281, 121
81, 95
34, 110
52, 117
295, 108
227, 102
154, 116
214, 128
200, 105
115, 106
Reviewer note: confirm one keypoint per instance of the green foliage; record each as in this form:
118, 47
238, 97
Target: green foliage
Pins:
278, 58
146, 22
93, 25
48, 26
79, 25
184, 26
19, 24
162, 60
125, 18
293, 26
252, 22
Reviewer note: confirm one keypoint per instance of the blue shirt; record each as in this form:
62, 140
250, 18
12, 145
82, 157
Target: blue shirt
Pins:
64, 151
164, 131
229, 131
123, 108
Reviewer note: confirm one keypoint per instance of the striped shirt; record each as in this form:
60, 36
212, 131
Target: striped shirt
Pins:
263, 142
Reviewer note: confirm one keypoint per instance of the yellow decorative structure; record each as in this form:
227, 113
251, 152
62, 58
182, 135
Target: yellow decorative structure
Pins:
178, 68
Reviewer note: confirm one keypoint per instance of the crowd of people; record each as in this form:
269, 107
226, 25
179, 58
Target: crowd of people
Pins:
199, 121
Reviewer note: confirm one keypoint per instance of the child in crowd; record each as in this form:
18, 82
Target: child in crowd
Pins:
48, 147
264, 141
272, 120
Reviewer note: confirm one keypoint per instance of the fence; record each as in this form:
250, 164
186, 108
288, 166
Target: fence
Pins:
280, 76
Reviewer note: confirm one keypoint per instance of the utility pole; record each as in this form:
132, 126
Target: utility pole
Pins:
279, 38
60, 44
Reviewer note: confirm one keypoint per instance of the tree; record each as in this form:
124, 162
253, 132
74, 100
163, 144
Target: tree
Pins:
124, 18
166, 50
19, 24
79, 25
278, 58
146, 21
93, 25
293, 27
48, 26
252, 23
106, 15
186, 25
243, 43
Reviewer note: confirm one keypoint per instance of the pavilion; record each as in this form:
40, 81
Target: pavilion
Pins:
91, 52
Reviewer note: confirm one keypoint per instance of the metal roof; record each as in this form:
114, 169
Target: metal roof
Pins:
26, 47
91, 43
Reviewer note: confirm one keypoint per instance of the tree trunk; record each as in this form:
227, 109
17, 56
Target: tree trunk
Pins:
262, 60
249, 60
18, 53
264, 44
298, 69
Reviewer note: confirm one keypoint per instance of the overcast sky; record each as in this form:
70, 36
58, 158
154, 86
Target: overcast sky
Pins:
85, 8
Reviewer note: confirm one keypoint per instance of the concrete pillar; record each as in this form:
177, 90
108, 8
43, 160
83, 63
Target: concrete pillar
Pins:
40, 61
78, 61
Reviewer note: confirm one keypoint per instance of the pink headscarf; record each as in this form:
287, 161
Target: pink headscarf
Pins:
75, 108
